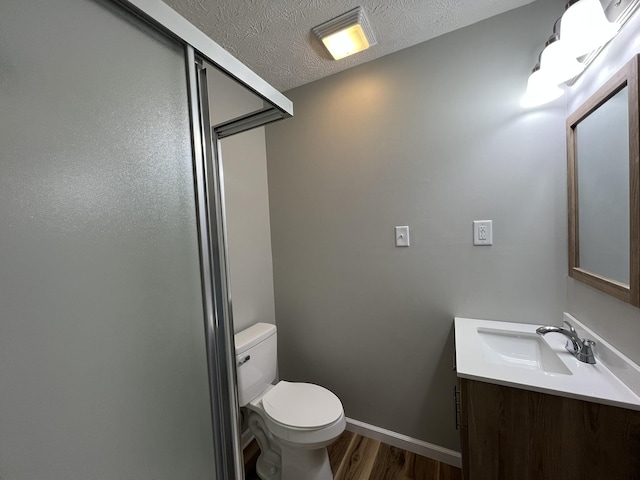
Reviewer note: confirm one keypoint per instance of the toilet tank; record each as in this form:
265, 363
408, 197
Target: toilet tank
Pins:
256, 359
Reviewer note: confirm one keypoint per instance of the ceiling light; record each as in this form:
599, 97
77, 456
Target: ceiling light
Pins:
346, 34
584, 26
557, 61
540, 89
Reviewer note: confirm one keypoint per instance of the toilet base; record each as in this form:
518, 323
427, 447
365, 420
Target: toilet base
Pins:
302, 464
295, 464
269, 464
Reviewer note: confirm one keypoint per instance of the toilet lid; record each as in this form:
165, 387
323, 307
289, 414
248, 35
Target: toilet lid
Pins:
302, 405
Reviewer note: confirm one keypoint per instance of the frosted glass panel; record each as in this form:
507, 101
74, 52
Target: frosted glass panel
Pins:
103, 371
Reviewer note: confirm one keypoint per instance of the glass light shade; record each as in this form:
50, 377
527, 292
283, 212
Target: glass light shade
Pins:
346, 42
540, 90
584, 27
557, 62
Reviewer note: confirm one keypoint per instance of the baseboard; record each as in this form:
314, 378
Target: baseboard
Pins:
429, 450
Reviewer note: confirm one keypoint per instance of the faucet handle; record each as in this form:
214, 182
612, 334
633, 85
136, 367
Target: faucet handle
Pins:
573, 344
586, 352
571, 329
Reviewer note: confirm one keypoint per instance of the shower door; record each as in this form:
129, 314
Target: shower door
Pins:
103, 359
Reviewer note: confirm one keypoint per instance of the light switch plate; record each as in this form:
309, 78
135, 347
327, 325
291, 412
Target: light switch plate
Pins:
482, 232
402, 236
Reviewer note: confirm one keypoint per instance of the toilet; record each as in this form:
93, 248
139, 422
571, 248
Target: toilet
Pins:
293, 422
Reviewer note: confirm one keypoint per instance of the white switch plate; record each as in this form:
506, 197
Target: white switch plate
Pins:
482, 232
402, 236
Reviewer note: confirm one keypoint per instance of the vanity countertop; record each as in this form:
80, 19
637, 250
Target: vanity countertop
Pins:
513, 355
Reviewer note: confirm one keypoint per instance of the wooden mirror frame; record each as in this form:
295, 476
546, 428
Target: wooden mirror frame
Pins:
626, 77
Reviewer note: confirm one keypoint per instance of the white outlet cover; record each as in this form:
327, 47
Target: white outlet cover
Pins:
483, 232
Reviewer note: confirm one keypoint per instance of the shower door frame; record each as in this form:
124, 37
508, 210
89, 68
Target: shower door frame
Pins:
210, 199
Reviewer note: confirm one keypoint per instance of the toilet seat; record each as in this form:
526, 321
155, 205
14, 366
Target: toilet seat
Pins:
302, 406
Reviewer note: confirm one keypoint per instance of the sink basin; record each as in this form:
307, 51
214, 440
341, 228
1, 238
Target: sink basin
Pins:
513, 355
520, 350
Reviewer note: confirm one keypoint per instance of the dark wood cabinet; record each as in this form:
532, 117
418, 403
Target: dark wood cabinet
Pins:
509, 433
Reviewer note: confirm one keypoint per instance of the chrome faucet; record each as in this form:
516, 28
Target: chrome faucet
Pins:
581, 349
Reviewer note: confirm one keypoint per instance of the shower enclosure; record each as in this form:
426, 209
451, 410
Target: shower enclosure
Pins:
116, 336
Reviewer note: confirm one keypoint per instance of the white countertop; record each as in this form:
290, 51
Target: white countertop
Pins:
579, 380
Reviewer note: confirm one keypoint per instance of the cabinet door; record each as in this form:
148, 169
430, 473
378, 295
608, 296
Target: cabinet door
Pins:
514, 433
463, 426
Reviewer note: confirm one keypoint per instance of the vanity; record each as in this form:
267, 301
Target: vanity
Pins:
528, 409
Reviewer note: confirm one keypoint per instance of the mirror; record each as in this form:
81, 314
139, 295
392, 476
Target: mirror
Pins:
603, 186
603, 151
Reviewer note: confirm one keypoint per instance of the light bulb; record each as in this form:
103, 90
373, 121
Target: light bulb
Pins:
540, 89
584, 27
557, 62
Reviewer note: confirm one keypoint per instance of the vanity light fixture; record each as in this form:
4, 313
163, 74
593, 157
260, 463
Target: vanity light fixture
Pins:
584, 26
346, 34
578, 36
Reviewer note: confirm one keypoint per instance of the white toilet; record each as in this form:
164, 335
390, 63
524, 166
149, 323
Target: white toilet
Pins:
292, 422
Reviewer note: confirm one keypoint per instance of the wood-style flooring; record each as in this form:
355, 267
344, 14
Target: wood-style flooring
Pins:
354, 457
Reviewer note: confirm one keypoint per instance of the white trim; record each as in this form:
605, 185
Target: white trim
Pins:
419, 447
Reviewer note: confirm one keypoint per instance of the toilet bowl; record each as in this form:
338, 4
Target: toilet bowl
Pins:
292, 422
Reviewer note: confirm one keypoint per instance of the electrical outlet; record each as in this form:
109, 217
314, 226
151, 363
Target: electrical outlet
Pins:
482, 232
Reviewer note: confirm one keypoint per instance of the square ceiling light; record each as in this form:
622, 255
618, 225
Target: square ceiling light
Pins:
346, 34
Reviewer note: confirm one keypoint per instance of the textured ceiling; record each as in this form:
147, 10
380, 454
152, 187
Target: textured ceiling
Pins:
274, 39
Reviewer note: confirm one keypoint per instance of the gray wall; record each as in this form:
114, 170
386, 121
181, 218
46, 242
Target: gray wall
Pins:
432, 137
247, 204
616, 321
